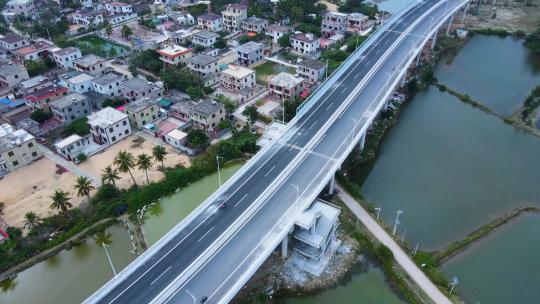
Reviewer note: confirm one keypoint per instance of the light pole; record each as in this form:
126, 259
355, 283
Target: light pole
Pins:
403, 237
455, 281
108, 257
192, 296
283, 108
297, 190
218, 171
415, 249
397, 222
326, 70
378, 209
354, 126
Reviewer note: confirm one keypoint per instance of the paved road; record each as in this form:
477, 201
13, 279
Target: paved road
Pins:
305, 155
400, 256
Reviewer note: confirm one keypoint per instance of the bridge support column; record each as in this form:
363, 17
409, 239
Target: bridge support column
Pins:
403, 80
284, 246
362, 142
449, 24
465, 13
331, 185
434, 40
418, 58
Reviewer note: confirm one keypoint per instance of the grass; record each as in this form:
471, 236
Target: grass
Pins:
99, 46
270, 68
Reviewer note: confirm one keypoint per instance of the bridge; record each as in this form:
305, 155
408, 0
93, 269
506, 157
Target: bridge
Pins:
213, 252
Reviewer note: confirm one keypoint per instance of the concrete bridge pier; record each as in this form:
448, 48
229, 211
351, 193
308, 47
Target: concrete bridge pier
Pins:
418, 59
362, 142
284, 246
465, 13
331, 185
403, 80
450, 21
434, 40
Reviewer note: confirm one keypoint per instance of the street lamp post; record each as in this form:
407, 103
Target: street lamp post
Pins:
109, 257
218, 169
397, 222
355, 122
403, 237
455, 281
378, 209
192, 296
297, 190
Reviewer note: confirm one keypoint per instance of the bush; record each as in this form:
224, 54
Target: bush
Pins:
40, 116
81, 157
79, 126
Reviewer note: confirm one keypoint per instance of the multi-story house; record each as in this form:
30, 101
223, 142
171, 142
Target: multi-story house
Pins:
17, 148
204, 38
70, 107
142, 112
88, 17
206, 67
33, 84
109, 84
209, 22
237, 78
118, 8
254, 25
137, 88
13, 41
15, 8
71, 146
233, 15
306, 45
108, 126
207, 115
12, 74
91, 64
311, 70
334, 23
249, 53
77, 82
285, 86
174, 54
357, 22
181, 18
66, 56
276, 31
40, 99
34, 51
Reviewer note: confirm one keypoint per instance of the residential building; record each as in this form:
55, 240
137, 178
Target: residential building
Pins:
17, 148
40, 99
33, 84
233, 15
77, 82
311, 70
182, 109
108, 126
207, 115
237, 78
334, 23
88, 17
314, 236
204, 38
66, 56
117, 19
29, 125
185, 19
70, 107
33, 51
91, 64
357, 22
176, 138
254, 25
10, 110
137, 88
249, 53
211, 52
13, 41
15, 8
86, 3
142, 112
305, 45
71, 146
12, 74
209, 22
184, 36
285, 86
276, 31
109, 84
118, 8
206, 67
174, 54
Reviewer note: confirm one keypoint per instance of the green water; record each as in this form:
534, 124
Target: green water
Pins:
503, 268
368, 287
95, 45
497, 72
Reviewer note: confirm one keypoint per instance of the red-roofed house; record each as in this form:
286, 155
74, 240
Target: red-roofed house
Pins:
175, 54
34, 51
41, 98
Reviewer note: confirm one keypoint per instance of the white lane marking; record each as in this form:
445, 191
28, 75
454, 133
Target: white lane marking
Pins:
355, 76
270, 170
160, 275
202, 237
314, 123
329, 106
344, 89
243, 197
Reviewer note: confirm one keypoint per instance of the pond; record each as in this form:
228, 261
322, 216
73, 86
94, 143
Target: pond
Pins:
96, 45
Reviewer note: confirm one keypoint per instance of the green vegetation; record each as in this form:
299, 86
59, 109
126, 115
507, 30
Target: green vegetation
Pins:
298, 10
285, 40
220, 43
148, 60
159, 153
112, 102
197, 10
197, 138
182, 79
79, 126
37, 67
532, 41
229, 104
144, 162
146, 22
309, 28
532, 102
40, 116
94, 45
335, 58
356, 6
81, 157
126, 31
251, 113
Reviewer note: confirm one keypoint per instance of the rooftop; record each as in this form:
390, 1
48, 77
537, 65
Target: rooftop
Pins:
311, 64
357, 16
18, 2
279, 28
16, 138
88, 60
67, 51
177, 134
202, 59
67, 100
238, 71
285, 79
116, 3
36, 47
34, 81
207, 107
206, 35
106, 117
139, 105
67, 141
108, 78
309, 38
12, 38
11, 68
209, 17
249, 47
6, 129
81, 77
137, 84
237, 6
47, 90
255, 20
173, 50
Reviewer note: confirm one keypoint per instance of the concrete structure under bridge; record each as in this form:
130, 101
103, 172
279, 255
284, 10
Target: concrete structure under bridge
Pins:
214, 251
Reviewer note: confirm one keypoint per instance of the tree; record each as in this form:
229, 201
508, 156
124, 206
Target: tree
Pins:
229, 104
144, 162
60, 201
251, 113
2, 206
79, 126
124, 161
159, 152
84, 186
31, 220
532, 41
108, 30
220, 43
197, 138
284, 41
195, 92
40, 116
109, 177
126, 31
104, 239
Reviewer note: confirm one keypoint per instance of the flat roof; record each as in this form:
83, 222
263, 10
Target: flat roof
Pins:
311, 64
202, 59
67, 51
209, 17
206, 34
139, 105
82, 77
249, 47
67, 100
89, 59
285, 79
177, 134
108, 78
106, 117
207, 107
174, 50
238, 71
16, 138
11, 38
255, 20
67, 141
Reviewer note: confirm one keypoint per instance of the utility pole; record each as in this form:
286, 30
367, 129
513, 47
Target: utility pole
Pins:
283, 108
455, 281
403, 237
109, 257
326, 70
415, 249
397, 222
378, 209
218, 171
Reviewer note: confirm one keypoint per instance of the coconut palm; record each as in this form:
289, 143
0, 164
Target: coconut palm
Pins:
144, 162
60, 201
84, 186
31, 220
109, 177
104, 240
159, 152
124, 161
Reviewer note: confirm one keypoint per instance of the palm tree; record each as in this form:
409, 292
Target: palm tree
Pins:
144, 162
104, 240
60, 201
159, 152
124, 161
84, 186
110, 176
31, 220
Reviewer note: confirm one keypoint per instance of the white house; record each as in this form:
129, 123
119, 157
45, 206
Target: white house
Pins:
13, 41
109, 84
204, 38
233, 15
108, 126
276, 31
306, 45
118, 8
71, 146
209, 22
66, 56
14, 8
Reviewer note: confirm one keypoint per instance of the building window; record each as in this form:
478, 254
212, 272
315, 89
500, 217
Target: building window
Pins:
124, 123
113, 138
15, 163
34, 154
30, 145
